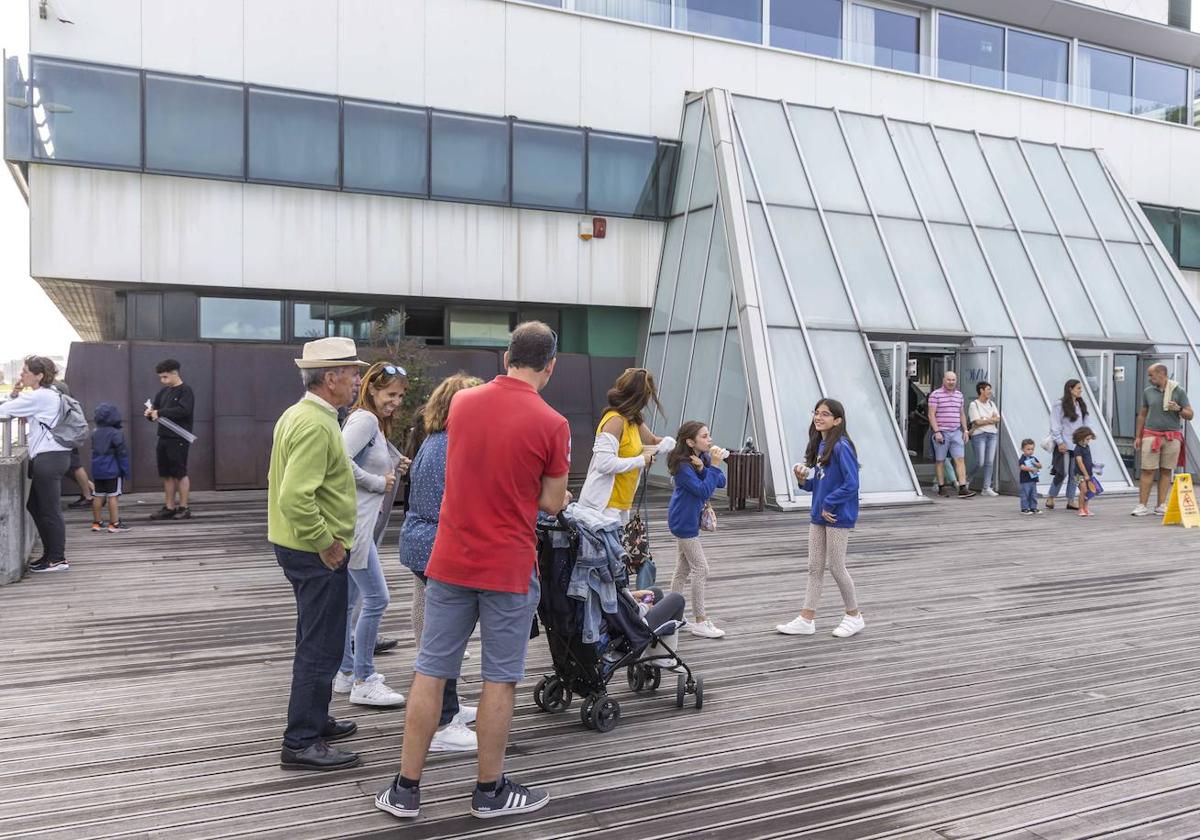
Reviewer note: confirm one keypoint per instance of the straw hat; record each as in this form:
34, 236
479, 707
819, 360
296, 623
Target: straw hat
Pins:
329, 352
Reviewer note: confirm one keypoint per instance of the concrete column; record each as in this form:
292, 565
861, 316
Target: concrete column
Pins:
16, 528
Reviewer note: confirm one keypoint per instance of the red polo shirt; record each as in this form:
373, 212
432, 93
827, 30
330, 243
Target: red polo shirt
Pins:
502, 439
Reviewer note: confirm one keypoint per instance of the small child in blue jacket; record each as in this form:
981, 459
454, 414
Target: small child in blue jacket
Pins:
830, 473
695, 465
110, 466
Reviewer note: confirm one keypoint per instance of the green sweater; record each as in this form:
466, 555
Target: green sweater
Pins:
311, 500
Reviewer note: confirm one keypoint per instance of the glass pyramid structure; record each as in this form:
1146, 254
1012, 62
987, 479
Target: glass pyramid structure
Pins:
810, 248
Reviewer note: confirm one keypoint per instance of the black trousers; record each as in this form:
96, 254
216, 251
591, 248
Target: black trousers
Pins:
45, 495
320, 642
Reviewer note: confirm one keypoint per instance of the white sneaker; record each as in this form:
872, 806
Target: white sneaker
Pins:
343, 682
1161, 510
988, 491
706, 629
466, 714
466, 653
798, 626
850, 625
1141, 510
454, 737
375, 693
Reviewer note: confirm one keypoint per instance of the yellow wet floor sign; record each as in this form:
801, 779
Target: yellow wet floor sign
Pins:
1182, 508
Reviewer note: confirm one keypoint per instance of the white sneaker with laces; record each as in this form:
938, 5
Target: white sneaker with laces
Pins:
989, 492
706, 629
466, 714
850, 625
373, 692
343, 682
1161, 510
798, 626
454, 737
1140, 510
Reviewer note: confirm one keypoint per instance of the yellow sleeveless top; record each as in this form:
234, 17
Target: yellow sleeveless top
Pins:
625, 484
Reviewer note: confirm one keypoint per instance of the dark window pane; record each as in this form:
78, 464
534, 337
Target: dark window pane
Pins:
360, 320
18, 112
293, 138
308, 320
386, 148
470, 158
86, 114
886, 39
1189, 239
178, 316
241, 319
969, 51
121, 317
811, 26
425, 323
1160, 91
1166, 224
664, 175
740, 20
653, 12
147, 316
621, 178
1037, 65
1106, 79
548, 166
193, 126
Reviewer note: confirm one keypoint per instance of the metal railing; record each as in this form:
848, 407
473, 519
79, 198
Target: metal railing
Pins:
6, 435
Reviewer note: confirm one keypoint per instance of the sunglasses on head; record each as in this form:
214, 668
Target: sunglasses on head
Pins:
389, 370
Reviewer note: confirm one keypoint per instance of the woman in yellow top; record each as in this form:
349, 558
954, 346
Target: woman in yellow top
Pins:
624, 446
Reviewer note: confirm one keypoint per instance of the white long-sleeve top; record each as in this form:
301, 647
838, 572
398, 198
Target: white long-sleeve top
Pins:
605, 464
41, 406
372, 459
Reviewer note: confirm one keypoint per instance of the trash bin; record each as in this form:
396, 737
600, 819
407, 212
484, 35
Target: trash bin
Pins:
745, 479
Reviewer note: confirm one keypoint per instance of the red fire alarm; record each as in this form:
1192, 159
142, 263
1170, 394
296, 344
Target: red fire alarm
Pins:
599, 227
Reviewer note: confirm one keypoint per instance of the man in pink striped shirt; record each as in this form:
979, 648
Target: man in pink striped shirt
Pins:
948, 422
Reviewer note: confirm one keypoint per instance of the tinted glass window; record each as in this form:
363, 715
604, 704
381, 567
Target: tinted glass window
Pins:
86, 114
147, 315
1189, 239
1037, 65
740, 20
548, 166
969, 51
179, 316
293, 138
241, 319
308, 320
470, 158
1106, 79
621, 175
811, 26
886, 39
18, 117
653, 12
480, 327
193, 126
386, 148
1166, 225
1160, 91
668, 161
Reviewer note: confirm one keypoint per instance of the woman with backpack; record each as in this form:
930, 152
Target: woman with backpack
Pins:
34, 400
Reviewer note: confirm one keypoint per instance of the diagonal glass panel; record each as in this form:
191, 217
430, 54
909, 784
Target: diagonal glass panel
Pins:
971, 278
974, 181
1056, 184
868, 417
691, 270
797, 390
772, 151
1154, 305
714, 303
1018, 185
1106, 289
701, 394
1101, 201
1178, 298
810, 266
671, 385
923, 163
867, 271
1024, 412
667, 274
917, 264
704, 187
692, 116
879, 166
1020, 284
654, 354
828, 159
729, 417
776, 303
1066, 290
747, 181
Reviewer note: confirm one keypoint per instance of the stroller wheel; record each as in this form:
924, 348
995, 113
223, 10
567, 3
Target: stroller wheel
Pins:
585, 712
539, 693
699, 693
653, 678
605, 713
558, 697
636, 677
680, 691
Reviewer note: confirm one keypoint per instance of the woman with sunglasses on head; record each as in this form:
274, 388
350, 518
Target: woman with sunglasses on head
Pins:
374, 462
624, 446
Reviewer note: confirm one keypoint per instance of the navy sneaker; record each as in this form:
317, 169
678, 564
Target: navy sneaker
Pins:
50, 566
508, 798
399, 801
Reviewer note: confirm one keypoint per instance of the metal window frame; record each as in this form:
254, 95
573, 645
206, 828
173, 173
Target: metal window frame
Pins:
512, 153
1003, 52
332, 99
371, 103
850, 35
507, 122
1137, 59
620, 135
1081, 45
280, 301
202, 80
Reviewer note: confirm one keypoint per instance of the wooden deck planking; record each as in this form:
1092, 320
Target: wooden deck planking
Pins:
1003, 680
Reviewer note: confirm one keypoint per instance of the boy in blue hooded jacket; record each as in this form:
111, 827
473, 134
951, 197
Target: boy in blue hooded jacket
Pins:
110, 466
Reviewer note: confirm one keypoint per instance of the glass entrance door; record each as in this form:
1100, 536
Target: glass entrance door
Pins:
980, 364
891, 357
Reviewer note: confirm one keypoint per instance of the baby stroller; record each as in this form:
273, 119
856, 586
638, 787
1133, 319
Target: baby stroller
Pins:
585, 669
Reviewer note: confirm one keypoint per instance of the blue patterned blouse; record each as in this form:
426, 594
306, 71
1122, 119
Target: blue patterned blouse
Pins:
428, 476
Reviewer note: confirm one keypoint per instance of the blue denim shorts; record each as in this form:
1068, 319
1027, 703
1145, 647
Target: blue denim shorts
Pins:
952, 444
504, 618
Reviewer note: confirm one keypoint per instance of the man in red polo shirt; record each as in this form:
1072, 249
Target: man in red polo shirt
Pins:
507, 458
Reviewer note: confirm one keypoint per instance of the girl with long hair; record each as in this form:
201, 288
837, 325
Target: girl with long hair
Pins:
695, 465
1069, 414
830, 474
374, 462
624, 446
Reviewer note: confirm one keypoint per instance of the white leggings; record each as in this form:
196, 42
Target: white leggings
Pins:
827, 546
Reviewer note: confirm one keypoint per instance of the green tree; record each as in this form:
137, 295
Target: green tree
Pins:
388, 342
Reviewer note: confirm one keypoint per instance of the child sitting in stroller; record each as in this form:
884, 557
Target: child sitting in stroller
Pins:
656, 610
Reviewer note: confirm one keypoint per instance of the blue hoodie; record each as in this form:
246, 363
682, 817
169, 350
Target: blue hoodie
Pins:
110, 455
835, 487
692, 490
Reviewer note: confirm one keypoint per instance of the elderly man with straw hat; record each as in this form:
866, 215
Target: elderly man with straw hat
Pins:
311, 509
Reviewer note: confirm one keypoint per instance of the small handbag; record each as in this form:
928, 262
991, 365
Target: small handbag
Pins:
1049, 443
708, 518
635, 539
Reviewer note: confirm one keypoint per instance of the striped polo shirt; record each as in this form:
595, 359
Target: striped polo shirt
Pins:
946, 407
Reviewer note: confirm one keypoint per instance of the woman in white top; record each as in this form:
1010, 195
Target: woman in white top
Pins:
41, 406
985, 433
374, 462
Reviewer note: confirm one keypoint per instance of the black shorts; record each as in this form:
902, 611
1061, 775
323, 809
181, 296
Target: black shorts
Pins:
106, 487
172, 457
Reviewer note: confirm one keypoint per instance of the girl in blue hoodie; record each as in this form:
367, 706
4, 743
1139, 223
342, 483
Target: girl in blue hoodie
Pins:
695, 466
830, 473
110, 466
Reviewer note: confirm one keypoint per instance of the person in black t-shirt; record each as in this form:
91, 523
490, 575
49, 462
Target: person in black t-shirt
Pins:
177, 403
